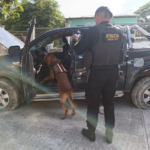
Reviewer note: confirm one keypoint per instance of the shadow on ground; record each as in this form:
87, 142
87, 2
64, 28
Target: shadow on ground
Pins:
38, 127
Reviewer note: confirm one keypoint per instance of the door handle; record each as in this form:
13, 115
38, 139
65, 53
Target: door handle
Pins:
120, 73
130, 62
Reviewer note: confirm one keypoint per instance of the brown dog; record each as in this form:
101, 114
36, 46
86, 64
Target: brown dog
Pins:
65, 91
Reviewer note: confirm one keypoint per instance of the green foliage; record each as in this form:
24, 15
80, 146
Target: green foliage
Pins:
144, 12
9, 8
147, 28
58, 43
46, 11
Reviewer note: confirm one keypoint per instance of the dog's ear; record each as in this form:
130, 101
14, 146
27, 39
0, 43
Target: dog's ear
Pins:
53, 55
49, 58
45, 59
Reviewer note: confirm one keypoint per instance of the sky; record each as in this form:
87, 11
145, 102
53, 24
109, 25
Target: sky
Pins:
78, 8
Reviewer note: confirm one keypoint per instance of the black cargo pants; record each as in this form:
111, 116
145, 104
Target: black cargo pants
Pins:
102, 84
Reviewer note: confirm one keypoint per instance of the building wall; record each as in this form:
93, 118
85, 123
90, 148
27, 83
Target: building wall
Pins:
81, 22
132, 20
91, 21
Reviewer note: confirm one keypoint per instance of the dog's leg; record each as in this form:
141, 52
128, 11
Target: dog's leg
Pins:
70, 98
50, 77
65, 108
73, 112
46, 79
63, 98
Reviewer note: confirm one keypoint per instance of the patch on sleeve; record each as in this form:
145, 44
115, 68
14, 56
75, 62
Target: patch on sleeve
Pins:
110, 37
77, 43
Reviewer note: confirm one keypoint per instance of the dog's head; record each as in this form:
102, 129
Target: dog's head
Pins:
48, 58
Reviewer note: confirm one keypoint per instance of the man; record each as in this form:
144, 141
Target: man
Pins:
104, 41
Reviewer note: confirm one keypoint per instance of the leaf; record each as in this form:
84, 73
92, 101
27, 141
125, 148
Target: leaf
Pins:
144, 12
46, 11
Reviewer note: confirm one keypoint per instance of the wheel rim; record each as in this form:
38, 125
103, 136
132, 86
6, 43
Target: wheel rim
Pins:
4, 98
147, 97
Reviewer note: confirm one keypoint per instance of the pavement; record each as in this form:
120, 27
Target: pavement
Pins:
38, 127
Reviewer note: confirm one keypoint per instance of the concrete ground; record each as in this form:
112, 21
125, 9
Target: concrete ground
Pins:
38, 127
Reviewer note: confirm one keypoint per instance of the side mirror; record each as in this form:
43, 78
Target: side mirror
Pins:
14, 50
138, 62
148, 37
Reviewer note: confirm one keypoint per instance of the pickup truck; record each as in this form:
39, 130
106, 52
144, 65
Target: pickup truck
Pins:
22, 67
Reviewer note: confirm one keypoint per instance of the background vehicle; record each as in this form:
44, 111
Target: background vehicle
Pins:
22, 69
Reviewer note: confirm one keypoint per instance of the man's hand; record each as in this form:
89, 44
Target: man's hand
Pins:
76, 36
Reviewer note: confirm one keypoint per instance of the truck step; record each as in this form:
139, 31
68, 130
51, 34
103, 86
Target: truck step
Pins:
119, 94
55, 96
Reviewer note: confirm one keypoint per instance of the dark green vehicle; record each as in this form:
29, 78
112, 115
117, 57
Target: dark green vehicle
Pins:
22, 67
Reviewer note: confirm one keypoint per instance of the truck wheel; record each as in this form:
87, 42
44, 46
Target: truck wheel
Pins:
141, 93
9, 96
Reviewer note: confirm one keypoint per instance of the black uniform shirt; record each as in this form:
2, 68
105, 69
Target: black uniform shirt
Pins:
89, 39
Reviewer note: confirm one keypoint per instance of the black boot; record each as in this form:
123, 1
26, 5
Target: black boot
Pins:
89, 134
109, 135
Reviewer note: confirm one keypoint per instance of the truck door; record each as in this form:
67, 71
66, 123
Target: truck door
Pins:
27, 69
123, 66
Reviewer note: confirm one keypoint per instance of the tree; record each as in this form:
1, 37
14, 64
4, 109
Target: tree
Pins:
9, 8
144, 12
46, 11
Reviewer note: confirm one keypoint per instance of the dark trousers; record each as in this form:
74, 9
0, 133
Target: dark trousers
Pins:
102, 84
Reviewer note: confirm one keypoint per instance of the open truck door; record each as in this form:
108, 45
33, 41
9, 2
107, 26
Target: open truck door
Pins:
27, 68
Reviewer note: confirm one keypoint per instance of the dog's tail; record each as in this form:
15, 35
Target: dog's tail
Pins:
71, 102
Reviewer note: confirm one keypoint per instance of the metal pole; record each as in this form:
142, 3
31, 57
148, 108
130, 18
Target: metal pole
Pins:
67, 24
33, 32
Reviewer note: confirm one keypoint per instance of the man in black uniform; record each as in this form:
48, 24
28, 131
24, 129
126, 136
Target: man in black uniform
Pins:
104, 41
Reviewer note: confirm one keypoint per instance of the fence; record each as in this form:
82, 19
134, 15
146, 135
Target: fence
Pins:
39, 31
20, 34
23, 34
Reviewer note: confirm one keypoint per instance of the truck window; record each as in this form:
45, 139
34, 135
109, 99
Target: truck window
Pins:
55, 46
140, 41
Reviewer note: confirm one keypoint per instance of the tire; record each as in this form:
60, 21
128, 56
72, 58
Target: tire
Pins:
141, 93
9, 96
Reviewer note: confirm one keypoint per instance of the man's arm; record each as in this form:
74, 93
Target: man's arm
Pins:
89, 38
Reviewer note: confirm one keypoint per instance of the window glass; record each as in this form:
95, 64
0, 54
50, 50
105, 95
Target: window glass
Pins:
55, 46
3, 50
140, 41
39, 44
136, 33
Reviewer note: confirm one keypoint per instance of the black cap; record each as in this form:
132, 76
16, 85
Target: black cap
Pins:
103, 8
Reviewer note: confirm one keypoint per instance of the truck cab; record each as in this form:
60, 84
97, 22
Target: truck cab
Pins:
22, 68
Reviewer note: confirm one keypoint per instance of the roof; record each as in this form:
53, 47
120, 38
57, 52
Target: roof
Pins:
7, 39
116, 16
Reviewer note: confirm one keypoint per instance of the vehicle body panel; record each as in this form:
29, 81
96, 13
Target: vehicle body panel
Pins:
128, 73
133, 73
27, 69
10, 69
7, 39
